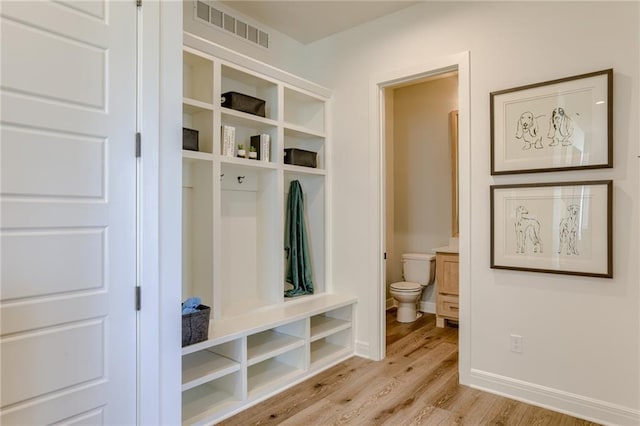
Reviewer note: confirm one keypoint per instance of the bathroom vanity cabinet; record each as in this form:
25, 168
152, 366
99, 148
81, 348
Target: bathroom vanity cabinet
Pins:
447, 304
233, 237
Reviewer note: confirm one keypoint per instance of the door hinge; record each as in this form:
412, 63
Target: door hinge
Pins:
385, 255
138, 298
138, 144
138, 3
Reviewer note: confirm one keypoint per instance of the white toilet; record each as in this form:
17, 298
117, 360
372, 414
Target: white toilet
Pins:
418, 271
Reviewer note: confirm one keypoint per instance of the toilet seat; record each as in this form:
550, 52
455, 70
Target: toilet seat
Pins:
405, 287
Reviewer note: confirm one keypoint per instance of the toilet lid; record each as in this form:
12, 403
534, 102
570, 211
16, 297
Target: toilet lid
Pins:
406, 286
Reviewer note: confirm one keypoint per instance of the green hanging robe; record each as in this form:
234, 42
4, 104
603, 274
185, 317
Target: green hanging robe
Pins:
296, 244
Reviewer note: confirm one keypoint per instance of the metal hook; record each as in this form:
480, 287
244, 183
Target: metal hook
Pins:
221, 176
240, 179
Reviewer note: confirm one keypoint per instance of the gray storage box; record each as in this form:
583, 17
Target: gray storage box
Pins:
195, 326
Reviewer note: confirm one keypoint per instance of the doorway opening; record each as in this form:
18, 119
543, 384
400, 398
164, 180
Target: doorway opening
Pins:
410, 81
420, 145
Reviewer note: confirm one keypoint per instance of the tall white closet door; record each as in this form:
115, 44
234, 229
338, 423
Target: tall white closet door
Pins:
67, 224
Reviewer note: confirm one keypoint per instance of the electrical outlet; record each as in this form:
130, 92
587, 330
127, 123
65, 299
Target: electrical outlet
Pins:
516, 343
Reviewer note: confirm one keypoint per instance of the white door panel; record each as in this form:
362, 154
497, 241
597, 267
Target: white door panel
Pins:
81, 251
75, 73
78, 172
68, 230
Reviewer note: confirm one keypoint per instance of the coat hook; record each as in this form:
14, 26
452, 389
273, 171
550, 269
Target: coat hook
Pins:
240, 179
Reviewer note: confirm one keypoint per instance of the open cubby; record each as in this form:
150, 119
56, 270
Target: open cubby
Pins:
197, 118
333, 346
248, 83
270, 343
313, 191
197, 77
249, 238
212, 398
209, 364
245, 128
306, 141
197, 228
267, 375
304, 110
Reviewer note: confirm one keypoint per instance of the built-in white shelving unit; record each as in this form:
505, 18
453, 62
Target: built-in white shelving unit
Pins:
233, 237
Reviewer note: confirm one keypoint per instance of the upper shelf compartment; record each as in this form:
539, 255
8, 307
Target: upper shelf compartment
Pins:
302, 111
197, 80
235, 80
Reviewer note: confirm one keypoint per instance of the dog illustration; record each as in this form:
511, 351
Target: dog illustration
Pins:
527, 227
569, 231
560, 128
528, 131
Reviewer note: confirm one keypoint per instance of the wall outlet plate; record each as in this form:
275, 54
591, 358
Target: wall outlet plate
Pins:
516, 343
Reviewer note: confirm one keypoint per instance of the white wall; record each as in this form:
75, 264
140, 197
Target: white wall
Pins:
421, 146
581, 336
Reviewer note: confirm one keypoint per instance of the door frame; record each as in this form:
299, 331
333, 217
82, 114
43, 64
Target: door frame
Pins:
461, 63
160, 218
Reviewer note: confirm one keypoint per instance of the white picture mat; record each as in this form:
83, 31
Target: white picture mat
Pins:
585, 102
549, 206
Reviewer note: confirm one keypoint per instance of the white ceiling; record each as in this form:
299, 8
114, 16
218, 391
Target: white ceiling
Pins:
309, 20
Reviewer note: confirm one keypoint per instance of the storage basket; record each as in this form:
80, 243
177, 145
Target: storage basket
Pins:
195, 326
244, 103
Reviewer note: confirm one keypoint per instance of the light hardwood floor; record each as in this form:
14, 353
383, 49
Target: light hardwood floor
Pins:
416, 384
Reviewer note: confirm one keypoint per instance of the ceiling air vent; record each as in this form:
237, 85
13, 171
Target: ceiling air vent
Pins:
216, 18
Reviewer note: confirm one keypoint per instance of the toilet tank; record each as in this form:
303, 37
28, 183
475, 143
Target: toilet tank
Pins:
419, 268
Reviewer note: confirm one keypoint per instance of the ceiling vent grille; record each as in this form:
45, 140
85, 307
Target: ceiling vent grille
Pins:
221, 20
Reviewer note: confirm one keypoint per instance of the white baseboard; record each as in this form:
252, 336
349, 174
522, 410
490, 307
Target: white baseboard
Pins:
427, 307
391, 303
362, 349
564, 402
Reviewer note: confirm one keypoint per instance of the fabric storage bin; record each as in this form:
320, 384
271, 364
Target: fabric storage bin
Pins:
244, 103
195, 326
300, 157
189, 139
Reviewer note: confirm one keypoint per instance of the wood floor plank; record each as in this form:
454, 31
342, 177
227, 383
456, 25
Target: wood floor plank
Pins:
416, 384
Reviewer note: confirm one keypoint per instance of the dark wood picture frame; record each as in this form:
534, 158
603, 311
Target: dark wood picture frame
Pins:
559, 228
563, 124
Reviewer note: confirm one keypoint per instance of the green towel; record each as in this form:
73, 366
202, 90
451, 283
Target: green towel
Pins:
296, 244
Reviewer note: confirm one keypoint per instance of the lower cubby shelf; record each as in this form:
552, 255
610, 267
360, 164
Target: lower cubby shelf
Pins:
268, 344
204, 366
266, 376
329, 348
247, 360
212, 399
322, 326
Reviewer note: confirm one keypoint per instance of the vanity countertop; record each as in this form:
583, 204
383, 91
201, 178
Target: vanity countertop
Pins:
446, 249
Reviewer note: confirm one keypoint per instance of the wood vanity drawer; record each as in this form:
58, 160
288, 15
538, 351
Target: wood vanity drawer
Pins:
447, 306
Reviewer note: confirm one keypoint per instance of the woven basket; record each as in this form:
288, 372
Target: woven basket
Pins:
195, 326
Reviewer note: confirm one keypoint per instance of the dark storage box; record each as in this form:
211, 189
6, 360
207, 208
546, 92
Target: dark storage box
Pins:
300, 157
244, 103
195, 326
189, 139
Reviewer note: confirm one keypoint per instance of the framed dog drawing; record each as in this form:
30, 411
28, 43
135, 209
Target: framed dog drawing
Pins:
560, 228
557, 125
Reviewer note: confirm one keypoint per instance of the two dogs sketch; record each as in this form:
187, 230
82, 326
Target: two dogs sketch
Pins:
560, 129
527, 229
